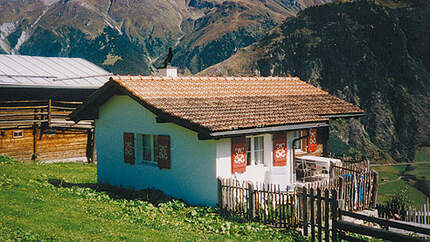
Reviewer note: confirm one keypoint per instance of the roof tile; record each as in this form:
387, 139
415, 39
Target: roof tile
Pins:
225, 103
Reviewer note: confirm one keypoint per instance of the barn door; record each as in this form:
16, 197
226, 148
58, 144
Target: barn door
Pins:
238, 155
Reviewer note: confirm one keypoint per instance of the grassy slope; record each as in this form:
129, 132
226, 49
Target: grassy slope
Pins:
393, 185
62, 202
396, 178
423, 155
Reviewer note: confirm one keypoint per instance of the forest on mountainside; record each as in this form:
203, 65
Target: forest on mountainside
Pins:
375, 54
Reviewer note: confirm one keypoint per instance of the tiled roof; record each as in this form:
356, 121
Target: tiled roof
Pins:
227, 103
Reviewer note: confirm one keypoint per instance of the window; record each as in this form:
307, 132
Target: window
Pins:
255, 150
146, 148
298, 144
18, 134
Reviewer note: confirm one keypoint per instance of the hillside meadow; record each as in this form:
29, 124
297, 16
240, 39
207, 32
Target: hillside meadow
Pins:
63, 202
415, 178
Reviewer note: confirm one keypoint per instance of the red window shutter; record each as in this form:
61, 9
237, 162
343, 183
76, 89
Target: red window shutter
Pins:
163, 151
238, 154
129, 148
279, 149
312, 140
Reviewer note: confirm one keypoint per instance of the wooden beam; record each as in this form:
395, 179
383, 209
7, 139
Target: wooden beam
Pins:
326, 141
374, 232
49, 112
34, 156
4, 115
90, 146
374, 188
162, 120
385, 222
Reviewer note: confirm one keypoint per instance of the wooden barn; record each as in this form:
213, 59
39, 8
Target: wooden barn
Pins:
36, 96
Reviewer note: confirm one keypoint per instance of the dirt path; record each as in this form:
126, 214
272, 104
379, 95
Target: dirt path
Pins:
403, 163
387, 182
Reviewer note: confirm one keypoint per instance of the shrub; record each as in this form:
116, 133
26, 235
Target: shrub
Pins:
6, 159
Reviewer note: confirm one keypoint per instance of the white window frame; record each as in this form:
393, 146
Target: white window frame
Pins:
18, 134
139, 149
252, 151
298, 146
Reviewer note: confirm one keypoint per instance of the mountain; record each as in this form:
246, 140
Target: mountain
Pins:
375, 54
132, 36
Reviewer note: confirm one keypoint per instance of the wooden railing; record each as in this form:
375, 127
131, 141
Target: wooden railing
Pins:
380, 228
416, 215
49, 113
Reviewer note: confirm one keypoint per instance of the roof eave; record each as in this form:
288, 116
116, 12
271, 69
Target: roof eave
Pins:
260, 130
88, 110
343, 115
49, 87
114, 88
162, 115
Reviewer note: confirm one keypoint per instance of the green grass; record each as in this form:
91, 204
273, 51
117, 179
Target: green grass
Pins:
422, 154
386, 190
62, 202
415, 177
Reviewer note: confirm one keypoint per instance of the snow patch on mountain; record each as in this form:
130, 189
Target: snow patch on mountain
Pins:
5, 30
49, 2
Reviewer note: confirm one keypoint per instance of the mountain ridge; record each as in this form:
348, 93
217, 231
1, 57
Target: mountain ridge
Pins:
192, 27
374, 54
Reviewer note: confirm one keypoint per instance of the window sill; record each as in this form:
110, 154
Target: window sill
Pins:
149, 163
256, 166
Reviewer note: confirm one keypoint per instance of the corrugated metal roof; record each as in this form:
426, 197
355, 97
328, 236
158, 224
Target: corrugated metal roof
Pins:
36, 71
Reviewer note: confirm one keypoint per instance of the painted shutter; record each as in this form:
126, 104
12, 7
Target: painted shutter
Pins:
129, 148
163, 151
312, 140
279, 150
238, 154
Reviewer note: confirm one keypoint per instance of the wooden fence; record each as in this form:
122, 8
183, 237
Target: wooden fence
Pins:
319, 212
293, 206
266, 203
380, 228
420, 215
351, 168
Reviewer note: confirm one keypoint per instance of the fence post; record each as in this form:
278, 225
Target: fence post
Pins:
374, 189
251, 203
305, 213
341, 193
312, 218
220, 205
326, 214
319, 222
334, 215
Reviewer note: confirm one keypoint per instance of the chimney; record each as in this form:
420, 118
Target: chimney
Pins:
169, 71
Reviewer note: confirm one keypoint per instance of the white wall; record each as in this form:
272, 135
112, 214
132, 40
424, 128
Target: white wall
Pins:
223, 158
256, 173
253, 173
192, 176
290, 158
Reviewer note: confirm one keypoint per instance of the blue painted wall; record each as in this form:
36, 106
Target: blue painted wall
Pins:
192, 176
